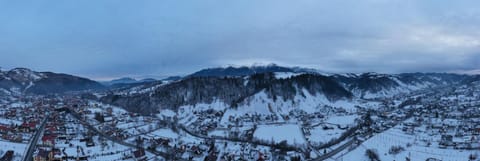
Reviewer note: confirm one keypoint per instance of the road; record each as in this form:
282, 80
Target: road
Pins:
309, 144
335, 151
347, 144
31, 148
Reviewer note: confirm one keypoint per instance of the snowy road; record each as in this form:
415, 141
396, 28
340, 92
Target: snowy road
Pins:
335, 151
33, 143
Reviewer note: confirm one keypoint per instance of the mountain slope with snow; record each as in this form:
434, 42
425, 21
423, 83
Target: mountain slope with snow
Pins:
374, 85
233, 86
25, 81
229, 90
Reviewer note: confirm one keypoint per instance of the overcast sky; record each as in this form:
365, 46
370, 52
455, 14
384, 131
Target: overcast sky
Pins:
110, 38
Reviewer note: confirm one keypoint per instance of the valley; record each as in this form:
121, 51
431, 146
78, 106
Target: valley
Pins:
275, 115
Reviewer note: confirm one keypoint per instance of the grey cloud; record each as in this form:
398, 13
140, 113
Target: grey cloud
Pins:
112, 38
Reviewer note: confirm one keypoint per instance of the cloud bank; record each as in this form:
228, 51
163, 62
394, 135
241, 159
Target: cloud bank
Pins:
109, 38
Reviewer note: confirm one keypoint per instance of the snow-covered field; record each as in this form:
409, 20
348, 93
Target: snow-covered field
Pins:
18, 148
167, 133
320, 135
342, 120
110, 151
289, 132
417, 152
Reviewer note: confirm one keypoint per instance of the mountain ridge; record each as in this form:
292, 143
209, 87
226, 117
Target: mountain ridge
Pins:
19, 81
236, 89
218, 84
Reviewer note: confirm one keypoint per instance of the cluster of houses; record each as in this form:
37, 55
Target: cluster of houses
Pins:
453, 118
21, 121
205, 122
61, 130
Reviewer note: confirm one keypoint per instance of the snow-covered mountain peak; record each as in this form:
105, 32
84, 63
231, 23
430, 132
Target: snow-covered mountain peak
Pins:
24, 75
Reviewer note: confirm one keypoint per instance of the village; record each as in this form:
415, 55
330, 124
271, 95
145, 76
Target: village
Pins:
72, 128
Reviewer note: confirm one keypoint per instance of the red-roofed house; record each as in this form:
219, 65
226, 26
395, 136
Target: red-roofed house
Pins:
139, 154
28, 127
5, 129
41, 155
48, 140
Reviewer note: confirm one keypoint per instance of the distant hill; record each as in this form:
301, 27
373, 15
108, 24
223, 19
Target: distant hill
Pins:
240, 71
124, 80
25, 81
127, 80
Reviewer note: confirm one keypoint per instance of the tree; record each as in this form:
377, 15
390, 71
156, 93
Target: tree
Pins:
472, 157
99, 117
372, 155
295, 158
153, 145
368, 119
394, 150
103, 143
139, 141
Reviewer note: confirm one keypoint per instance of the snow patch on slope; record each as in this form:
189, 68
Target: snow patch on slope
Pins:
285, 75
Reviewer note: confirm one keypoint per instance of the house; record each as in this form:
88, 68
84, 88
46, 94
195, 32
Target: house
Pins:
108, 119
28, 127
261, 157
5, 129
62, 137
447, 140
162, 141
55, 155
89, 142
15, 138
196, 150
48, 140
139, 154
83, 158
41, 155
110, 111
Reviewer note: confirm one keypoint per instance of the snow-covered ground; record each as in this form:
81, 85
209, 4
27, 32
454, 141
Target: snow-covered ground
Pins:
382, 143
320, 135
342, 120
285, 75
167, 133
278, 133
9, 121
18, 148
